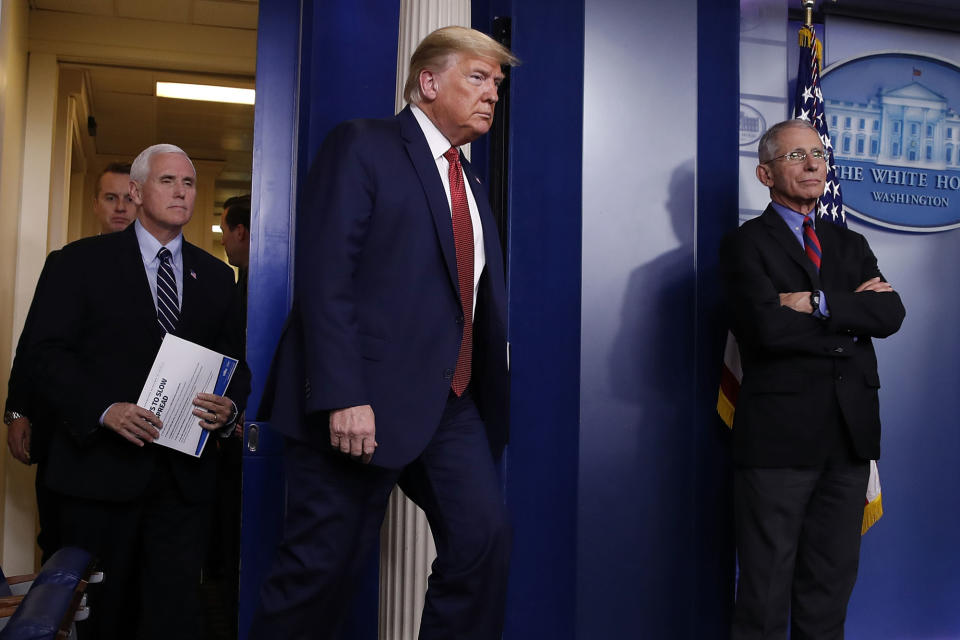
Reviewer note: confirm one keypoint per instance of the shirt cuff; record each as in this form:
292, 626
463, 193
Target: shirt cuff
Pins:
104, 414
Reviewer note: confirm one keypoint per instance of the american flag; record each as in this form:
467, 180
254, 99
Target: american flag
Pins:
808, 105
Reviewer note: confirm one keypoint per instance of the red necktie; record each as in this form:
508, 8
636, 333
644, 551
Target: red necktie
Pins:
463, 241
811, 244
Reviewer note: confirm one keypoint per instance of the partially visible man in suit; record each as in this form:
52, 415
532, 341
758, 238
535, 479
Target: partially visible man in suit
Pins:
223, 563
28, 428
805, 300
143, 509
393, 365
235, 237
112, 202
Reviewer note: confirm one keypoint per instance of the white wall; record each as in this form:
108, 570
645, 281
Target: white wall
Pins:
15, 479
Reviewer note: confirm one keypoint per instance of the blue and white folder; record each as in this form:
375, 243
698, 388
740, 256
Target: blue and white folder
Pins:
180, 371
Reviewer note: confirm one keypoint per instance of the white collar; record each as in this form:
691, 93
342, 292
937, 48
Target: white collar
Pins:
437, 142
149, 245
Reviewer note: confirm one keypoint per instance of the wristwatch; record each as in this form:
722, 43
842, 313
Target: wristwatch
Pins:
230, 425
234, 414
815, 300
10, 416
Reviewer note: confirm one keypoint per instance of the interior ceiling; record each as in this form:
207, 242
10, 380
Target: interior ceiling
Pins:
130, 117
241, 14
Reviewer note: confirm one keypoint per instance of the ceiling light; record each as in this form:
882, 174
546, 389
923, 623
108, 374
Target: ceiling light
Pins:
216, 229
208, 92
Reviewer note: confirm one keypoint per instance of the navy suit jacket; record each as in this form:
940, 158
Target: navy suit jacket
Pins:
796, 368
93, 340
376, 317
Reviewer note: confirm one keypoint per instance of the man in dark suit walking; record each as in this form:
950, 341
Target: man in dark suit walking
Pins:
805, 299
393, 365
28, 428
106, 304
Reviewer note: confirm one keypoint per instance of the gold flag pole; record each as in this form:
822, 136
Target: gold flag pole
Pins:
808, 12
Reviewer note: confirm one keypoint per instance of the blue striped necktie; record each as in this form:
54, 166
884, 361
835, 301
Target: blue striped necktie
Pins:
168, 306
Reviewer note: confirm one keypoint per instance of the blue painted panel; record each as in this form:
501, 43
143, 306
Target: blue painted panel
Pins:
333, 61
544, 318
269, 296
272, 201
639, 321
353, 65
717, 182
261, 518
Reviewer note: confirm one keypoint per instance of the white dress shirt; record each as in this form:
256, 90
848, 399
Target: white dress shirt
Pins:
149, 247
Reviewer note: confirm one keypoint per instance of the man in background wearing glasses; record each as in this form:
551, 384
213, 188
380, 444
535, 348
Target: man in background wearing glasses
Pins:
805, 299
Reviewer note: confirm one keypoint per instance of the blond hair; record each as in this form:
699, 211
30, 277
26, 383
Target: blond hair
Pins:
434, 53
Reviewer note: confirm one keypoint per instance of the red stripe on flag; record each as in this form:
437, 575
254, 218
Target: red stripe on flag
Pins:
729, 385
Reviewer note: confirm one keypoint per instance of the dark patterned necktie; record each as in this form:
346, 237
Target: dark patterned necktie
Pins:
463, 241
168, 306
811, 243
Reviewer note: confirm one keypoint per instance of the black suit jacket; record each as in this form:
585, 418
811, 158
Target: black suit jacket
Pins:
797, 368
22, 393
93, 341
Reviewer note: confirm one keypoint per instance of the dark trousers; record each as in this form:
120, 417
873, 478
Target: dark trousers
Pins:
222, 568
48, 538
798, 546
335, 507
151, 554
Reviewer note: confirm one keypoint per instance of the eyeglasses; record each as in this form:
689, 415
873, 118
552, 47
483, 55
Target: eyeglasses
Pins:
800, 156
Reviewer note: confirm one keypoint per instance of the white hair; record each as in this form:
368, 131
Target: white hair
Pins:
140, 169
767, 147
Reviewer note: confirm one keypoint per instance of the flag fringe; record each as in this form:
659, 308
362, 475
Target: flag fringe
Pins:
806, 34
871, 513
726, 409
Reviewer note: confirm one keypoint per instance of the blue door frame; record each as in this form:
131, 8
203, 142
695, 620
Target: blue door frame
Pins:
301, 79
270, 292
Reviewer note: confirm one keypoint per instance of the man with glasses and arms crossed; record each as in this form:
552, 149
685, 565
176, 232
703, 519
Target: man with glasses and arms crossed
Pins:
804, 298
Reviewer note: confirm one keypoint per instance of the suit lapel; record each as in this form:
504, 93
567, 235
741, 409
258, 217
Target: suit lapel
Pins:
785, 238
192, 304
136, 283
829, 246
426, 168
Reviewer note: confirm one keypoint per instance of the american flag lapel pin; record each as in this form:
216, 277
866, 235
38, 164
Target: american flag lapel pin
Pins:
193, 274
